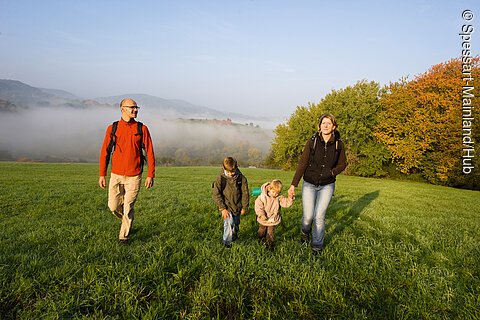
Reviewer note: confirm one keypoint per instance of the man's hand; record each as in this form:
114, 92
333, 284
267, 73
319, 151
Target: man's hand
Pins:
148, 182
243, 212
102, 182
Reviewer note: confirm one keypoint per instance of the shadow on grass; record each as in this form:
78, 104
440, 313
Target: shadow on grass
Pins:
290, 227
336, 226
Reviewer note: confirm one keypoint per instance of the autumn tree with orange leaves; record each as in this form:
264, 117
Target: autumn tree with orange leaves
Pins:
421, 124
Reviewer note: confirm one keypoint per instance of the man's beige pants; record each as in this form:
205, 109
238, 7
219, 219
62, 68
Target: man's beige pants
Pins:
122, 193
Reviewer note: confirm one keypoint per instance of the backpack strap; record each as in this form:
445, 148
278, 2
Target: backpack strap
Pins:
113, 141
315, 137
223, 183
337, 144
313, 146
143, 154
139, 130
113, 138
337, 149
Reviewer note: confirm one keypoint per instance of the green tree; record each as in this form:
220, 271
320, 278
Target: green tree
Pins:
290, 138
356, 108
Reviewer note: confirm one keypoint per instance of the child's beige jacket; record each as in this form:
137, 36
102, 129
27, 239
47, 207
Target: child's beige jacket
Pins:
267, 208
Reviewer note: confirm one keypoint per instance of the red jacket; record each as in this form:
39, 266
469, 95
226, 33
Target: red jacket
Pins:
126, 157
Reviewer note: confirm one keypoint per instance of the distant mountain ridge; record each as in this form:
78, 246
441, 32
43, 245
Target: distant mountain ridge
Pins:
20, 96
61, 93
171, 106
16, 96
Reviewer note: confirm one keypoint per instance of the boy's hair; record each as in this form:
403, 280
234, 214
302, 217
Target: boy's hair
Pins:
230, 164
276, 185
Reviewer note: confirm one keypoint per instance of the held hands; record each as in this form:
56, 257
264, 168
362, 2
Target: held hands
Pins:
291, 192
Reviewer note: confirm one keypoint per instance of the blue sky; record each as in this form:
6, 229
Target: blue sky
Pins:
260, 57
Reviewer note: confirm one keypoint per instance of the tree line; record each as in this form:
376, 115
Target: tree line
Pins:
407, 128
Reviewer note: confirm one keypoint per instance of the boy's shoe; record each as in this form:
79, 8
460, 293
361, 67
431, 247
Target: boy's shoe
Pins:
234, 236
317, 251
123, 241
227, 244
304, 238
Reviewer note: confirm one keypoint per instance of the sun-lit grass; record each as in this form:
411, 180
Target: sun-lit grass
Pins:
394, 250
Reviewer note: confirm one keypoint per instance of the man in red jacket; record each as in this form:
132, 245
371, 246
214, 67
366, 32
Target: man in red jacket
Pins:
127, 141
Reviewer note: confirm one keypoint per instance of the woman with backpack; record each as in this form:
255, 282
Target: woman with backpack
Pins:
323, 158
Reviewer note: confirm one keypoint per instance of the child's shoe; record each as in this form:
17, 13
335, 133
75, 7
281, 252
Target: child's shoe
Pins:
261, 240
270, 246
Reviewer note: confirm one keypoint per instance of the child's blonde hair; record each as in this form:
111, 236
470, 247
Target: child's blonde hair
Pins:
276, 185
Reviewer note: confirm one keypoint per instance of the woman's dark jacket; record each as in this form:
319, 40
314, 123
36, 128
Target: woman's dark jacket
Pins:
321, 162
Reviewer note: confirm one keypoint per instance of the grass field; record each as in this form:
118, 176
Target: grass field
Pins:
394, 250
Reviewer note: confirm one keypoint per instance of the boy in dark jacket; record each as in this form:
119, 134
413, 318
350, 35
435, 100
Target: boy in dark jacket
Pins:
230, 193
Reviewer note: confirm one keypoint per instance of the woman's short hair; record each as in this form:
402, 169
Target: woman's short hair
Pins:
329, 116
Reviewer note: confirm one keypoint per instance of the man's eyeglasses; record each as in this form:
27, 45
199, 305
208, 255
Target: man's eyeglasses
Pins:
132, 107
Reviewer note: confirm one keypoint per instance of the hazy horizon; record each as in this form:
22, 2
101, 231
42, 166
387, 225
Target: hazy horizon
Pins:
77, 134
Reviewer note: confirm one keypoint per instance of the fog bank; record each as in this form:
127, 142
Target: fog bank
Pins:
76, 135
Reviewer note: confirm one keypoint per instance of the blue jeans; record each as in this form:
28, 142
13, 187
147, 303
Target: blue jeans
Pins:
315, 202
231, 225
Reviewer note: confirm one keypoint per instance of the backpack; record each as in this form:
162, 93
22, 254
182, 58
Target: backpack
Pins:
112, 143
223, 183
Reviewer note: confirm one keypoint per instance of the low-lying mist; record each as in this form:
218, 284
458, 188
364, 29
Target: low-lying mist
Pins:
76, 135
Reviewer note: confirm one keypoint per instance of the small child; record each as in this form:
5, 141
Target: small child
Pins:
267, 209
231, 195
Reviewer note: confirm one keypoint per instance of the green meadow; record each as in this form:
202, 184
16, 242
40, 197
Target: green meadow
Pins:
394, 250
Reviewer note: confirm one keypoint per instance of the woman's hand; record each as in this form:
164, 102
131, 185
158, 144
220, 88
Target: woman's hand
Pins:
291, 192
